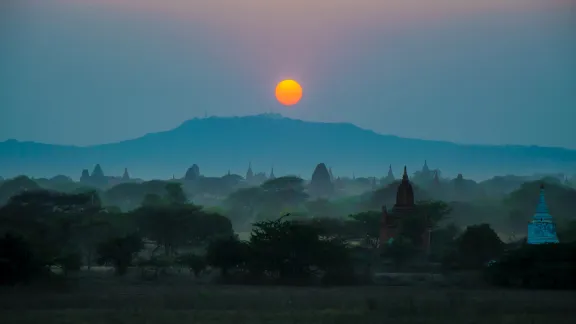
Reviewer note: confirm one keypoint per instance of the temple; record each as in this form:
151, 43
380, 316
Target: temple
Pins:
272, 176
542, 229
249, 173
391, 222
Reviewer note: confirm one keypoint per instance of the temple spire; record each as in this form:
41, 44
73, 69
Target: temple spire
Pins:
405, 175
126, 175
436, 178
542, 229
249, 173
542, 208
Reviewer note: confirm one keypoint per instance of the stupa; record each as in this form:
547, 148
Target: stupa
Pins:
542, 229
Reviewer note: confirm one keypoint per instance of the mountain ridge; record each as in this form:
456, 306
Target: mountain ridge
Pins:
294, 146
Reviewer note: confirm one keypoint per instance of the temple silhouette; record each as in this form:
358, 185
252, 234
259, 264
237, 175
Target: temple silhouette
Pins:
391, 221
542, 229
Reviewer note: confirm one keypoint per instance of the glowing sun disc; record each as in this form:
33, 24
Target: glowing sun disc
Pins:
288, 92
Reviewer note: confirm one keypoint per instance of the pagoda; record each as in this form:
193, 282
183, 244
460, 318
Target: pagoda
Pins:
391, 221
542, 229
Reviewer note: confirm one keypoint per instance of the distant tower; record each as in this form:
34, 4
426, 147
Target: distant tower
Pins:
374, 183
331, 174
389, 177
436, 178
97, 172
272, 176
126, 175
390, 226
85, 177
249, 173
425, 168
192, 173
542, 228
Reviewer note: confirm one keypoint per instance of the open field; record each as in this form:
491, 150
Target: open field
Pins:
121, 301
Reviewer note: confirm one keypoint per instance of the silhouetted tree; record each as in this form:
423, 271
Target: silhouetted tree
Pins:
119, 252
228, 253
476, 246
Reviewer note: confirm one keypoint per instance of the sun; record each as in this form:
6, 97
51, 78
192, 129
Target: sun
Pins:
288, 92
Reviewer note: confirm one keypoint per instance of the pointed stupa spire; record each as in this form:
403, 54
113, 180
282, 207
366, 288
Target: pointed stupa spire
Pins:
542, 209
436, 178
542, 228
272, 176
126, 175
425, 167
405, 175
249, 173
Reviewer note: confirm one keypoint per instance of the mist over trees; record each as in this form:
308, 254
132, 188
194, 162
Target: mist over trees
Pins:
264, 227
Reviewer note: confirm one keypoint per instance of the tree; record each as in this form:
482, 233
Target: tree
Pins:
280, 194
244, 204
320, 208
291, 250
399, 250
119, 252
171, 222
443, 241
426, 215
195, 263
17, 262
478, 245
129, 196
152, 200
367, 226
55, 224
175, 194
13, 187
169, 226
228, 253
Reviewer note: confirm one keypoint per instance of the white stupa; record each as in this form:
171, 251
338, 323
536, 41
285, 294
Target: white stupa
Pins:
542, 228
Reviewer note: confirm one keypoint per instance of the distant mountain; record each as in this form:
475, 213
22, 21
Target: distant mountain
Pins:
290, 146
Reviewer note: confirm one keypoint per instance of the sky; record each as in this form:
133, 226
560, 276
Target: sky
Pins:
87, 72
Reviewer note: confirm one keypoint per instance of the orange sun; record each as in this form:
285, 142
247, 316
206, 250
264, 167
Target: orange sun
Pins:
288, 92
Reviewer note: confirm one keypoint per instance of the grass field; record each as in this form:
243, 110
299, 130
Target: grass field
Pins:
112, 300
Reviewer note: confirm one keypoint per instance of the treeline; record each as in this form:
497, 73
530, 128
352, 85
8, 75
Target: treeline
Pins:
508, 207
46, 229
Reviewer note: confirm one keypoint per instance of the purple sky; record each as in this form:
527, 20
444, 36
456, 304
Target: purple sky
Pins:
94, 71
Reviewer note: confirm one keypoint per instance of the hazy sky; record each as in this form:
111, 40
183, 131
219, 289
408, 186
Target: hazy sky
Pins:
96, 71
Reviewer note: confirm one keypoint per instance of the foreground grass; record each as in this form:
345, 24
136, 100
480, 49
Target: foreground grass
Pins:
116, 301
257, 317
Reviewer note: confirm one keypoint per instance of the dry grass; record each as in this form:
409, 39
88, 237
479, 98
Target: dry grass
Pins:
120, 301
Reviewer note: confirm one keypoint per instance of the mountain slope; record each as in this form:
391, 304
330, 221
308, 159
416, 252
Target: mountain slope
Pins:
291, 146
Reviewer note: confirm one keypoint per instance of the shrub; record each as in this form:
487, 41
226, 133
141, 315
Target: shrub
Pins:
17, 262
546, 266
